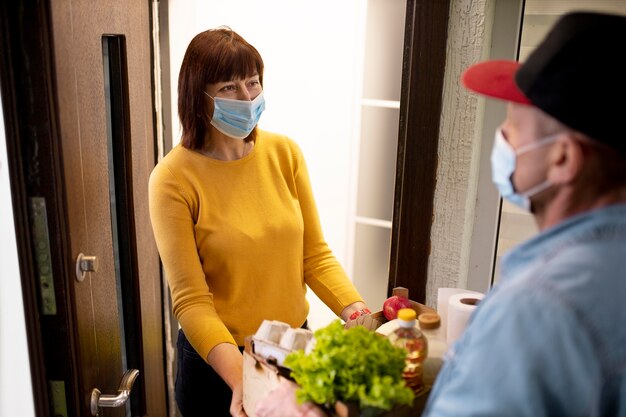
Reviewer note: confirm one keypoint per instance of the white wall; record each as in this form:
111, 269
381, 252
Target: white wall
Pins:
313, 62
16, 396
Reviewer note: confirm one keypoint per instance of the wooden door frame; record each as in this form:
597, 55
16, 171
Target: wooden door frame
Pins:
423, 69
29, 95
35, 170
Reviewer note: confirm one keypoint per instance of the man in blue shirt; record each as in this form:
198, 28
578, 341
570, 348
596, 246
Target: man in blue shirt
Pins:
550, 338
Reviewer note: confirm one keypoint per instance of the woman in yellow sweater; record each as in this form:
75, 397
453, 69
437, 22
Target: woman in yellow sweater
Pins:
236, 225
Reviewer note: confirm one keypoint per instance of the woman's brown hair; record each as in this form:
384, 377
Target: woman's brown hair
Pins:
215, 55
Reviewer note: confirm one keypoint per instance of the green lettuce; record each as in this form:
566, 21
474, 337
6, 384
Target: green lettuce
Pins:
353, 365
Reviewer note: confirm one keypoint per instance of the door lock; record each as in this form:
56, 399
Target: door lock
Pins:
85, 264
123, 392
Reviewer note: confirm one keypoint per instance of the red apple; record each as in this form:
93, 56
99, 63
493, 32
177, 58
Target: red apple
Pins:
393, 304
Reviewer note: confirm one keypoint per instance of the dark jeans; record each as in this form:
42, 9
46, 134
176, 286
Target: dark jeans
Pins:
200, 391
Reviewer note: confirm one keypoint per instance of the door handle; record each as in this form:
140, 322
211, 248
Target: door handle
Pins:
85, 264
123, 392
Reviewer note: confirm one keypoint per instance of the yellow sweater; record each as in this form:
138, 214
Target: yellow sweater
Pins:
240, 239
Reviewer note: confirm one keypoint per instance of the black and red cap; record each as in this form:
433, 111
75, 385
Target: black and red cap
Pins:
577, 75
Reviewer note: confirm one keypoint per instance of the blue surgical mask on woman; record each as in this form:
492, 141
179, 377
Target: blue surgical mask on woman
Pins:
503, 162
237, 118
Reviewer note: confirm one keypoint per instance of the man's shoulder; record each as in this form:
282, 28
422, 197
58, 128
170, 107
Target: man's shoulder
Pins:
519, 301
513, 345
578, 290
584, 259
590, 268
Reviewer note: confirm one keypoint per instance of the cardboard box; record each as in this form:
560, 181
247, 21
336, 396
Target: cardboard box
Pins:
352, 410
377, 319
260, 377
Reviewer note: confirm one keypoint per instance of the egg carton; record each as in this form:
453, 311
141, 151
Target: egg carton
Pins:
263, 359
274, 340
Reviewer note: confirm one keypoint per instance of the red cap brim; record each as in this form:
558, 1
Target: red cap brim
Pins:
495, 79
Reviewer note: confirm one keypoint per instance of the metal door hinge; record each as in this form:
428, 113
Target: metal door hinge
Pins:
57, 396
43, 259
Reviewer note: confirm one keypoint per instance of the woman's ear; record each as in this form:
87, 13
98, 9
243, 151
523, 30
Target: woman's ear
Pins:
566, 159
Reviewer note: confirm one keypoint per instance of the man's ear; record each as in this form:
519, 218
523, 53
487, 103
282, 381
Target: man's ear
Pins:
566, 159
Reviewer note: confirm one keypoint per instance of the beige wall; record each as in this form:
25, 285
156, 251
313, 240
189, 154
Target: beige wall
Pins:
459, 146
467, 205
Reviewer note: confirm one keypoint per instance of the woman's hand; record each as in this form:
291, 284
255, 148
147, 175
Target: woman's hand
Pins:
227, 361
281, 402
353, 309
236, 405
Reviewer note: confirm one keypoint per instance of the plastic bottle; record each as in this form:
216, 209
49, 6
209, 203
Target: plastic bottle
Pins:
430, 325
409, 337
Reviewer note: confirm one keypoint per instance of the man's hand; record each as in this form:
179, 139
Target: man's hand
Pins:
281, 402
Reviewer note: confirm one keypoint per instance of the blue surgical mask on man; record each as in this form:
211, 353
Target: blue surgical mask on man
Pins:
236, 118
503, 162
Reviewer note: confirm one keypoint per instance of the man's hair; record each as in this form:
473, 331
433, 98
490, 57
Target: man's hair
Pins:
611, 171
216, 55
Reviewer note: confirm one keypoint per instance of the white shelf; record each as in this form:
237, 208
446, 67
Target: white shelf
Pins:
372, 102
373, 222
379, 103
371, 268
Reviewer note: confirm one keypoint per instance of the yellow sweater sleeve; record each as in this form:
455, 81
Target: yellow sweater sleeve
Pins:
172, 212
241, 240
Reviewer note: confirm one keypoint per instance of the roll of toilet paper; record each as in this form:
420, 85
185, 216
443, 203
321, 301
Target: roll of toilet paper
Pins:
443, 296
460, 307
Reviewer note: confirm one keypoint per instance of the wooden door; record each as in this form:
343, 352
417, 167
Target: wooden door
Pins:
423, 65
102, 74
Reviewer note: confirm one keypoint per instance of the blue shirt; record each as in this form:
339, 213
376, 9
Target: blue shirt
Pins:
550, 338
